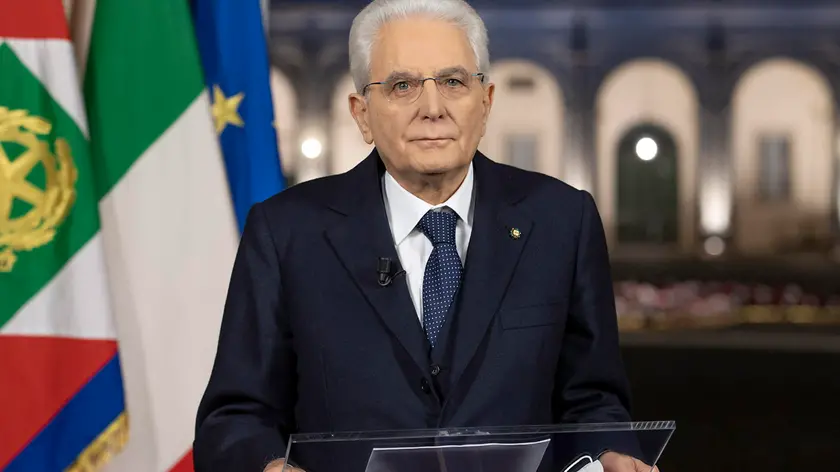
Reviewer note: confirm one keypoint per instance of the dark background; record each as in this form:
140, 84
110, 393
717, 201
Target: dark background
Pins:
738, 409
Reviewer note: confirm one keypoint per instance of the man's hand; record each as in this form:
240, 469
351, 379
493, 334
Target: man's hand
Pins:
615, 462
277, 466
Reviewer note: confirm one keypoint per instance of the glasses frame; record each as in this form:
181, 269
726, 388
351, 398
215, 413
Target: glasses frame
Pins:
422, 81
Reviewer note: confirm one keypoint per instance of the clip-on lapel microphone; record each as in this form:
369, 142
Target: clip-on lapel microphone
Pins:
387, 271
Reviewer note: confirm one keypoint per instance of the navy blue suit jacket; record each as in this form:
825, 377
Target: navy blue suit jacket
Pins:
310, 342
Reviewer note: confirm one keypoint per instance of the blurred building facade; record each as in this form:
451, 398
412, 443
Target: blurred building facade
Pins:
699, 126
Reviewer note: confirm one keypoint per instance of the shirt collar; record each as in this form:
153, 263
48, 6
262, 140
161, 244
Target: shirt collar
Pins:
405, 209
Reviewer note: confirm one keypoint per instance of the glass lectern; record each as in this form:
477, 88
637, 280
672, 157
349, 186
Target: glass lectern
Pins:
558, 448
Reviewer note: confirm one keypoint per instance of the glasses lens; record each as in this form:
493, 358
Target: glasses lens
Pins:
403, 90
406, 91
454, 86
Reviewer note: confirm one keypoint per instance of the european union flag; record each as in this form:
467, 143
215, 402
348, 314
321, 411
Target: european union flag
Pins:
233, 51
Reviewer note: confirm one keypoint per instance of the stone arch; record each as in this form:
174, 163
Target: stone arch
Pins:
347, 146
783, 117
526, 125
655, 92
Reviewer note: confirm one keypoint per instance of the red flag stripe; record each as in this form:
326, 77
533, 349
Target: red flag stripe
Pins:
33, 19
185, 464
44, 373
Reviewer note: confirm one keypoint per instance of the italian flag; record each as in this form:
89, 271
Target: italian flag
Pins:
168, 225
61, 394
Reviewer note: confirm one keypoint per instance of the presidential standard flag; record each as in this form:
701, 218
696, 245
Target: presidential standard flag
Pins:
233, 50
167, 220
61, 393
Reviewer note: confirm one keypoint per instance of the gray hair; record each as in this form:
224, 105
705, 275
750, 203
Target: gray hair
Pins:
368, 22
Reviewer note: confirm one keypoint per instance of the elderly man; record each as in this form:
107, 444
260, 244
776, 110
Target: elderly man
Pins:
429, 286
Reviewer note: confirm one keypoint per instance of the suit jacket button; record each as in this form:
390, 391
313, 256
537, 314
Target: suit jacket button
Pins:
435, 370
425, 387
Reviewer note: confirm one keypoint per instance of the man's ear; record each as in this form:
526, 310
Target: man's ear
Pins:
487, 101
359, 110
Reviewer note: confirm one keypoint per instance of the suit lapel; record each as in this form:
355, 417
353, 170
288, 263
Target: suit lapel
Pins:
360, 240
364, 236
491, 260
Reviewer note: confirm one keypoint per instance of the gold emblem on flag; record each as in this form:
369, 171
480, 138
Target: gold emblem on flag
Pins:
39, 211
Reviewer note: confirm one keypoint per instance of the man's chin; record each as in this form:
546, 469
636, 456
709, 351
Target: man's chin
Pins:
438, 166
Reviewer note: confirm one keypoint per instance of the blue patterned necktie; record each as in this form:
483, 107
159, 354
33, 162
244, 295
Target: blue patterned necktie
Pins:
443, 270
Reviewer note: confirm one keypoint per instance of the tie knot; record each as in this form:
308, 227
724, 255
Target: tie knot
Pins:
439, 227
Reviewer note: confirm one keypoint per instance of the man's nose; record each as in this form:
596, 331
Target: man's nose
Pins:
431, 102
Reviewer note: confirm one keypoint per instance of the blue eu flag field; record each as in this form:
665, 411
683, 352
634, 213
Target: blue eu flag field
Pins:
234, 53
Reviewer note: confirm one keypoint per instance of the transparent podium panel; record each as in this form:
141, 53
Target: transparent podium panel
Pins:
558, 448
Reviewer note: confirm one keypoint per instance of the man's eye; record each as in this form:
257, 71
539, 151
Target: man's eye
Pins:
402, 86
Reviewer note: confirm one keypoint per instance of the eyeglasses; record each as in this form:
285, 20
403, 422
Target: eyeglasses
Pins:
405, 90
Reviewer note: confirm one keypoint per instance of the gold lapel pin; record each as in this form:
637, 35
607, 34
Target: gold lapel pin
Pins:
515, 233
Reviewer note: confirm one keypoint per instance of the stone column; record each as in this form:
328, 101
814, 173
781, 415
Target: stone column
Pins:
265, 8
315, 119
835, 207
580, 115
715, 175
314, 84
715, 182
580, 159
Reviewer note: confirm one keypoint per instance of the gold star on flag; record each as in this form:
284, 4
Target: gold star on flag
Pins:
225, 109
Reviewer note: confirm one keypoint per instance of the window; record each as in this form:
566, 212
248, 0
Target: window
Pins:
521, 84
774, 168
521, 151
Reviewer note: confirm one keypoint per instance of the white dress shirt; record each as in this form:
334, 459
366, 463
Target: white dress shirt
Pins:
405, 210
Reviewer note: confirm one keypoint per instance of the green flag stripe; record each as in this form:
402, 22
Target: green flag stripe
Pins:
142, 58
21, 90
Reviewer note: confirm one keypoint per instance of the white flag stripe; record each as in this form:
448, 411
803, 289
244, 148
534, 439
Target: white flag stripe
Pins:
170, 251
52, 61
79, 288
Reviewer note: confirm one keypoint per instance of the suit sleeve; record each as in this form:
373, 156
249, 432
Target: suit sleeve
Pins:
591, 385
246, 413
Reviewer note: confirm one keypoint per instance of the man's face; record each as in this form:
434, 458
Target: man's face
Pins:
439, 131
